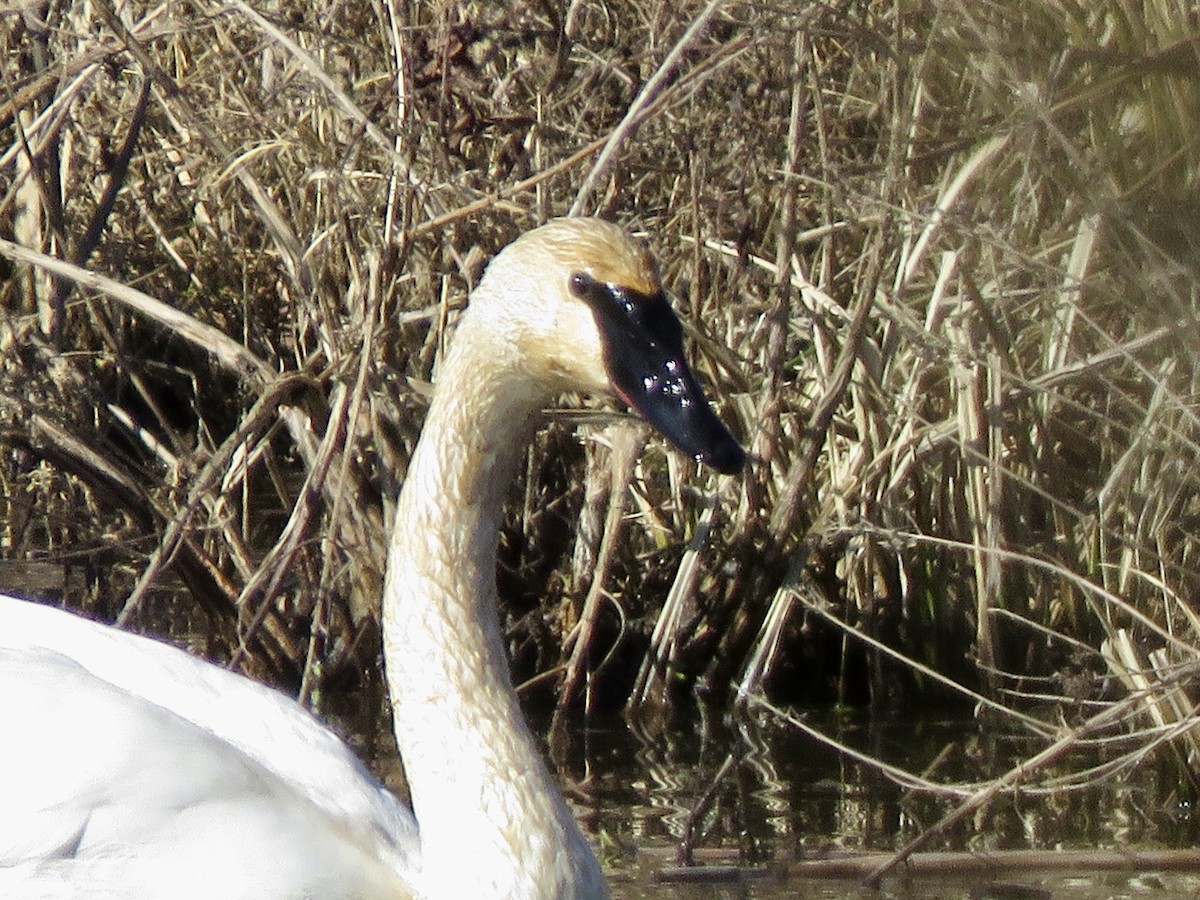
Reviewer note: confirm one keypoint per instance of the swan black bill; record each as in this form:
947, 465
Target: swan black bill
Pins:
643, 351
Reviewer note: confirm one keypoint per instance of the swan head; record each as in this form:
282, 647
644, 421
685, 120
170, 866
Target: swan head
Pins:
586, 310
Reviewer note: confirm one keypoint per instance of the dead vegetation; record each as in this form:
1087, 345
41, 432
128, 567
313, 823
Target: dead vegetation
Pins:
939, 257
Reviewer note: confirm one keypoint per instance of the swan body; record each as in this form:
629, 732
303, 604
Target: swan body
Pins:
131, 769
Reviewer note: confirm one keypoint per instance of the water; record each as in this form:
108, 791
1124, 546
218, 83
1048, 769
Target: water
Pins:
786, 797
1026, 886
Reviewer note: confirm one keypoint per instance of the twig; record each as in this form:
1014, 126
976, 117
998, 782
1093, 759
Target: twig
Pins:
856, 865
624, 131
251, 423
625, 447
276, 565
1067, 740
229, 352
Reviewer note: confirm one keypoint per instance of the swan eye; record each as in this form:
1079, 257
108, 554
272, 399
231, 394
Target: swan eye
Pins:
579, 283
623, 308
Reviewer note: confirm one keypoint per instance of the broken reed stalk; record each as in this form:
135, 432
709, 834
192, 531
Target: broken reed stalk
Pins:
625, 445
216, 469
649, 91
232, 355
934, 864
651, 693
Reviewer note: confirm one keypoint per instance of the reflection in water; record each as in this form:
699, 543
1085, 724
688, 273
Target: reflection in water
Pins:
788, 797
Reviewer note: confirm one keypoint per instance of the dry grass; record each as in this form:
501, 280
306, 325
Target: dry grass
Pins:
940, 258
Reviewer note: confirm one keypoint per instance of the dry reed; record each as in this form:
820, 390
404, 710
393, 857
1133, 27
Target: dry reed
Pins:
939, 259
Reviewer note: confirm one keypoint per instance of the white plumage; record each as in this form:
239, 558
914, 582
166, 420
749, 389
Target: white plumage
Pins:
131, 769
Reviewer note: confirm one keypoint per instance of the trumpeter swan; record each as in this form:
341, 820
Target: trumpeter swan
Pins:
129, 768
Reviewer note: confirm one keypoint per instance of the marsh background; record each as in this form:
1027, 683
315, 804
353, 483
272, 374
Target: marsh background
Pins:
938, 260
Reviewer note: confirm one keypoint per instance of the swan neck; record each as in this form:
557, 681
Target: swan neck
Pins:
478, 784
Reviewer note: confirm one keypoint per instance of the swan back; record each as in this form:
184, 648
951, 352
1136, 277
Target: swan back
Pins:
136, 764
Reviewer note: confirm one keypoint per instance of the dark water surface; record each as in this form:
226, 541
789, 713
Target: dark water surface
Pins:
786, 797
